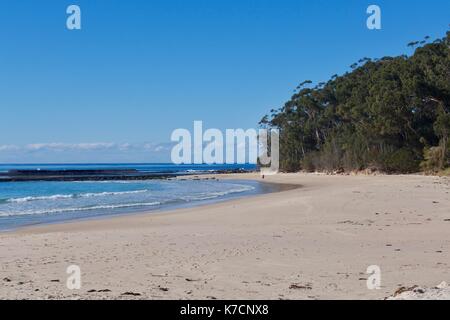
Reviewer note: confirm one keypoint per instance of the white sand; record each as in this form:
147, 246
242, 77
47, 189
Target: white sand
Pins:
314, 242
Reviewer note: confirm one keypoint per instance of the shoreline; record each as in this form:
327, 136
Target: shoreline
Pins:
266, 187
313, 242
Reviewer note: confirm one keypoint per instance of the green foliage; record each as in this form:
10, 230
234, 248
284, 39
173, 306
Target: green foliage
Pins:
290, 165
381, 115
445, 173
432, 159
309, 162
402, 160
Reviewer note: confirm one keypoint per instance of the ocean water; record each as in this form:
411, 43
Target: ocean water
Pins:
37, 202
149, 167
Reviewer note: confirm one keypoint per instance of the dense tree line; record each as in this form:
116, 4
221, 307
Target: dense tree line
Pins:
390, 114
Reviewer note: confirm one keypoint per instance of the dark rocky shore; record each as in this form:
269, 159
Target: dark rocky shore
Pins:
97, 175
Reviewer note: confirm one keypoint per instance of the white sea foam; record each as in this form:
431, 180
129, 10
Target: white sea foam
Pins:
81, 202
62, 210
212, 195
101, 194
69, 196
30, 198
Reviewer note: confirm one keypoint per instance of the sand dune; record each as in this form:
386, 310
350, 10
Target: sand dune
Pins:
313, 242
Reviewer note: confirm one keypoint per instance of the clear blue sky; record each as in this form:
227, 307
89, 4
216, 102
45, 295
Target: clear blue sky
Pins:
139, 69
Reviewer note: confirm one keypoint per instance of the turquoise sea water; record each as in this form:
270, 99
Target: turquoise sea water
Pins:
35, 202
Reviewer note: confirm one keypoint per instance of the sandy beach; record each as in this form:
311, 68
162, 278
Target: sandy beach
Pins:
312, 242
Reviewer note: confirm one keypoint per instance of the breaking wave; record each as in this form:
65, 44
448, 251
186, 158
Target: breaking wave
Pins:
71, 196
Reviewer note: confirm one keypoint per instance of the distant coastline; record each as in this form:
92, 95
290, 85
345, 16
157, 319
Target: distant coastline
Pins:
111, 172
